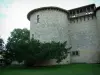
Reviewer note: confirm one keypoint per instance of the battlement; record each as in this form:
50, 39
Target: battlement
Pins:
81, 11
82, 18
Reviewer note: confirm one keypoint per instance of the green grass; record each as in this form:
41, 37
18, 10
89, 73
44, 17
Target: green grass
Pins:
71, 69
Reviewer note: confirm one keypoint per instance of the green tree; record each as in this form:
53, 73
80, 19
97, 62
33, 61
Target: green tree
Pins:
17, 44
41, 52
1, 45
21, 48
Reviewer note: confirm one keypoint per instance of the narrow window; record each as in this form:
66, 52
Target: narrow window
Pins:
92, 16
38, 18
80, 10
77, 11
77, 53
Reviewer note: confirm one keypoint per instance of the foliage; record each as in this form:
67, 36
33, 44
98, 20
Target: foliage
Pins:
1, 40
17, 43
21, 48
7, 57
1, 45
2, 50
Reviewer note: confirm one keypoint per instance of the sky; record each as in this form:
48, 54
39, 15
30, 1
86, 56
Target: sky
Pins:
13, 13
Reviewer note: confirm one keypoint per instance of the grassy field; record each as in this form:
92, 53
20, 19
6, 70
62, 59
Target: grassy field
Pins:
71, 69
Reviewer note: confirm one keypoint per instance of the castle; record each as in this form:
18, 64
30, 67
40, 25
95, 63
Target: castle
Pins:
80, 27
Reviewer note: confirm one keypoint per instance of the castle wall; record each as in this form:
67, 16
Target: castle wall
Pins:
79, 27
52, 26
98, 20
85, 40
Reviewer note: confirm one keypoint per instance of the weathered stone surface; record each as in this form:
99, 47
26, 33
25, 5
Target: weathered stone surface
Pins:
83, 34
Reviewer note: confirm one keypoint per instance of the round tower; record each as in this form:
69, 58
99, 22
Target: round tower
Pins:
49, 24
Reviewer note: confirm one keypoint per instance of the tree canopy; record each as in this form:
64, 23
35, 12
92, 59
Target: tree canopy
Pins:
21, 48
17, 43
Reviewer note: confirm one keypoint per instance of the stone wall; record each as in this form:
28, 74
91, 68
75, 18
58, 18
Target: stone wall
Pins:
84, 38
52, 25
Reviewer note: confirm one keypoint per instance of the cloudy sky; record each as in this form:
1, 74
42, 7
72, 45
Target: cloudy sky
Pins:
13, 12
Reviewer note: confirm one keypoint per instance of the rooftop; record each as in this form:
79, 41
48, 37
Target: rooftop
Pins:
44, 8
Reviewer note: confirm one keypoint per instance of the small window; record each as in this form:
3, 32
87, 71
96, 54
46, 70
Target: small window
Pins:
38, 18
75, 53
77, 11
92, 16
80, 10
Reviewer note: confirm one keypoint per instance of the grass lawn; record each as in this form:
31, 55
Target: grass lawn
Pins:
71, 69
